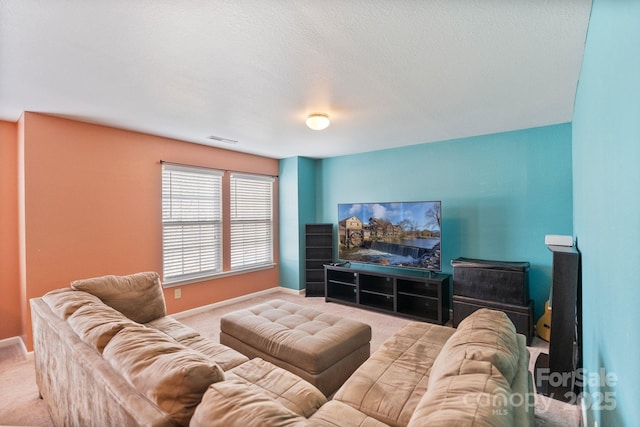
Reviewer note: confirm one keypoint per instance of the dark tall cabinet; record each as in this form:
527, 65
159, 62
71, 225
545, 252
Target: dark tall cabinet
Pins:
565, 341
318, 252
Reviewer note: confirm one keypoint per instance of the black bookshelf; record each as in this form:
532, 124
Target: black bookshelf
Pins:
318, 252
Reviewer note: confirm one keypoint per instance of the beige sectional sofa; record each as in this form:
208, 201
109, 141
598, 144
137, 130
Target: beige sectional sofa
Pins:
107, 354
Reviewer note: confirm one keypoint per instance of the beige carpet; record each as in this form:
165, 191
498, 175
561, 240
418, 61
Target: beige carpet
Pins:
19, 401
20, 405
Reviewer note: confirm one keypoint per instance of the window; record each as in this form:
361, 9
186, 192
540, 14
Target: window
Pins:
251, 221
191, 222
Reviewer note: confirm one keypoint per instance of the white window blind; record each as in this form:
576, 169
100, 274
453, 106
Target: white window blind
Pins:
251, 221
191, 222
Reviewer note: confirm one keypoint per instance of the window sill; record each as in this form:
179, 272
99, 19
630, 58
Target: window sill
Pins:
198, 279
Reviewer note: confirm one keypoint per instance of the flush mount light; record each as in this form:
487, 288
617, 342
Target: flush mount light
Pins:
318, 121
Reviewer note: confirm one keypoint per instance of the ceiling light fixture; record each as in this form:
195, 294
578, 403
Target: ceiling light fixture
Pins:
318, 121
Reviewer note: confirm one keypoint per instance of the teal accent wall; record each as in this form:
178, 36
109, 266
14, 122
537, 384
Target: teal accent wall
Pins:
501, 194
289, 238
297, 207
606, 173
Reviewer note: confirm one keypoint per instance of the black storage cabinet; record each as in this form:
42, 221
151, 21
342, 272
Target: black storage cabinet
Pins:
499, 285
497, 281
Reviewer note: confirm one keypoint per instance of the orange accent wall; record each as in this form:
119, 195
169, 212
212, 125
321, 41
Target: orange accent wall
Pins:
92, 206
10, 326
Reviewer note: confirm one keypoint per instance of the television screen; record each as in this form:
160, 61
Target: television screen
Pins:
405, 234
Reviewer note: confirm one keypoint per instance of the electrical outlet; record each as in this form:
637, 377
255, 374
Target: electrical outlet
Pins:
177, 293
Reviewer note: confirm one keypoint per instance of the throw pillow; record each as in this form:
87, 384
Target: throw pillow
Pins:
138, 296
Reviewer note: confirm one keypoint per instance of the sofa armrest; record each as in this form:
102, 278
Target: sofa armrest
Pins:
77, 383
479, 400
480, 377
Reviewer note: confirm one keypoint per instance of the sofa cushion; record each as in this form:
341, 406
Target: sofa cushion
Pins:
288, 389
170, 326
477, 400
64, 302
388, 386
236, 403
138, 296
166, 372
338, 414
97, 323
226, 357
484, 342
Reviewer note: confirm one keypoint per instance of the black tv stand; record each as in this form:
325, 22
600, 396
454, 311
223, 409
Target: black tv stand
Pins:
416, 295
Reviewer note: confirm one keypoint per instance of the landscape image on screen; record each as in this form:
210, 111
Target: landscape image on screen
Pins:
405, 234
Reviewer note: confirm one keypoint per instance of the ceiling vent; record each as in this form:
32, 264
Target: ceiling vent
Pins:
220, 139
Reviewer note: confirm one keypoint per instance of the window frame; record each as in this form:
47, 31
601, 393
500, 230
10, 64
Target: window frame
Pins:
240, 215
214, 224
224, 242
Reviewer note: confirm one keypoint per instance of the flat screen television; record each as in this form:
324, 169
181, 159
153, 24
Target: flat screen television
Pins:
401, 234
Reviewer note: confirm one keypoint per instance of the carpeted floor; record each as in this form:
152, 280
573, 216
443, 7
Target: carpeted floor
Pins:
20, 405
19, 401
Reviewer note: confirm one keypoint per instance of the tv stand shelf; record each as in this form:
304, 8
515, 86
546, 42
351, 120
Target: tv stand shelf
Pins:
416, 295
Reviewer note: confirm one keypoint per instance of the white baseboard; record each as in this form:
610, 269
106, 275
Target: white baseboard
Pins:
218, 304
301, 292
8, 342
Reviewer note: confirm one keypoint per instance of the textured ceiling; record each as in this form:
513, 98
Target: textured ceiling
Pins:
389, 73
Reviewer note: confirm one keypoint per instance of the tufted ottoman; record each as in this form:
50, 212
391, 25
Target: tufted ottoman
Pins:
322, 348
